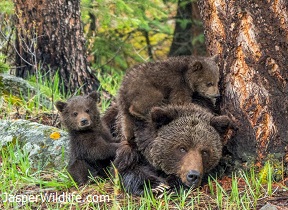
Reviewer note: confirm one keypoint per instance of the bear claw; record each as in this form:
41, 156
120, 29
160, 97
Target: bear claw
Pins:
160, 190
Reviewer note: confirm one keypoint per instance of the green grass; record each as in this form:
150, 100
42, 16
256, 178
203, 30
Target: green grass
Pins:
110, 81
19, 181
50, 87
243, 190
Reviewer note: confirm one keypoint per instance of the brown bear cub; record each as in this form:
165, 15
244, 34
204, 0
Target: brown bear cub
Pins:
172, 81
177, 145
92, 147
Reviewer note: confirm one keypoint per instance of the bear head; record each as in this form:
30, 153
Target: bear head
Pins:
184, 141
80, 112
202, 76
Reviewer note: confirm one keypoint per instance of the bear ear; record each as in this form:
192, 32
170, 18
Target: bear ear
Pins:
94, 95
222, 124
60, 105
215, 58
161, 116
197, 66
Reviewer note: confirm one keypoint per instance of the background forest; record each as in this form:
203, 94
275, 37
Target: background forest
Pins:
120, 34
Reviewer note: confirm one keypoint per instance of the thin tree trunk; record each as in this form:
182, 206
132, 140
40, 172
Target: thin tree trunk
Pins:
187, 27
182, 38
50, 39
149, 46
252, 39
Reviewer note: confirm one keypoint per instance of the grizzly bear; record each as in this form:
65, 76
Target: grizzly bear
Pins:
177, 144
92, 147
172, 81
110, 120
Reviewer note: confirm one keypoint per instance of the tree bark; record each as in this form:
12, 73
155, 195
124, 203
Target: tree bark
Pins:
50, 39
252, 39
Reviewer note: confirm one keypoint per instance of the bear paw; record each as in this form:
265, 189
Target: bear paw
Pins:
161, 189
126, 156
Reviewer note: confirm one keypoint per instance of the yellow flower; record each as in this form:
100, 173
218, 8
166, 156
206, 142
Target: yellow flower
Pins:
55, 135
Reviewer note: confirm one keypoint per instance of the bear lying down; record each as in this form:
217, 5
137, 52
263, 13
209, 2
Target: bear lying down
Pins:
177, 145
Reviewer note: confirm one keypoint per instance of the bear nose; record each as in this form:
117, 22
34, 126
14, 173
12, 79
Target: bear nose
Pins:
84, 121
193, 177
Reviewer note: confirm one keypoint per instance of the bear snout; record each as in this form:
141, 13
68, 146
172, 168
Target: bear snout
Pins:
84, 122
191, 168
193, 178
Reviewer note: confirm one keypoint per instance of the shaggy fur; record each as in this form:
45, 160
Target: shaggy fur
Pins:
110, 120
177, 144
92, 147
172, 81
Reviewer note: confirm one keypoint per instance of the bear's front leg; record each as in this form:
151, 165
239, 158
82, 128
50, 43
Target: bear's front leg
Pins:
80, 171
126, 156
101, 150
135, 179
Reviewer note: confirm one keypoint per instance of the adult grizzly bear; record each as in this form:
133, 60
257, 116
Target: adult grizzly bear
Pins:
92, 147
172, 81
177, 144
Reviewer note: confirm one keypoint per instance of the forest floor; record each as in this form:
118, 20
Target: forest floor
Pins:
230, 192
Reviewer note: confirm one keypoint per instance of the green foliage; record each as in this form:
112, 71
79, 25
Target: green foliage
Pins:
50, 87
4, 67
6, 34
115, 31
7, 7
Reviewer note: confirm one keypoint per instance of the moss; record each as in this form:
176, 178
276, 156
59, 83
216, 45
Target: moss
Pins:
277, 166
274, 165
43, 151
21, 89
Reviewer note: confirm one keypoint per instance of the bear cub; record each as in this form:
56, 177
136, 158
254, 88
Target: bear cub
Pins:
92, 147
172, 81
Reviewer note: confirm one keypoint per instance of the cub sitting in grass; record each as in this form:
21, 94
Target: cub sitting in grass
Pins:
92, 147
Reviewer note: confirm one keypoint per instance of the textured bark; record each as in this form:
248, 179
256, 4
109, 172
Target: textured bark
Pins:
50, 38
251, 37
182, 39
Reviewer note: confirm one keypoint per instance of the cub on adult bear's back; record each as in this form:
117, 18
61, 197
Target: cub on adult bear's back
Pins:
91, 145
172, 81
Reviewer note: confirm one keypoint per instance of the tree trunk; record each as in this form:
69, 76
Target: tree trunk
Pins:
187, 28
50, 39
251, 37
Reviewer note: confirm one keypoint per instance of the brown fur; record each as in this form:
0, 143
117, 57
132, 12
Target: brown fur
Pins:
110, 119
172, 81
91, 145
178, 144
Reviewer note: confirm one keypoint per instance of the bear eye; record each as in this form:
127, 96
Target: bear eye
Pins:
205, 153
75, 114
209, 84
87, 110
182, 150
